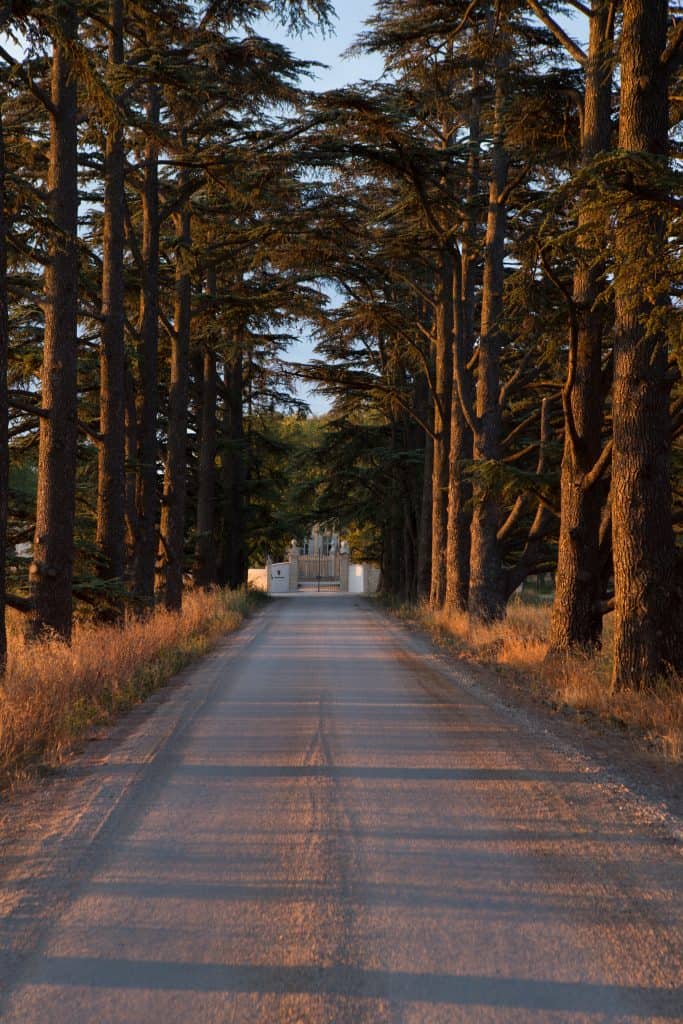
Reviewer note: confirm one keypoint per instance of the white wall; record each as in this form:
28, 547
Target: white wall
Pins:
258, 579
278, 582
363, 578
357, 574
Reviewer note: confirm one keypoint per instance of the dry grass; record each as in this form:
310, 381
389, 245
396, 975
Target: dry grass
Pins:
54, 693
519, 644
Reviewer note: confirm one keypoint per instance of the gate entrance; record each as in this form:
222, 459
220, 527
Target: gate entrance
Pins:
319, 572
320, 564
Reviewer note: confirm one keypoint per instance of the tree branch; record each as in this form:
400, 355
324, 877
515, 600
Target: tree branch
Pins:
509, 385
571, 356
604, 607
39, 93
580, 7
512, 185
672, 56
28, 407
512, 519
89, 432
570, 46
599, 468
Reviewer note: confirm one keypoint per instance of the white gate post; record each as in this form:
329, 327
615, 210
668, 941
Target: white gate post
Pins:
344, 574
293, 568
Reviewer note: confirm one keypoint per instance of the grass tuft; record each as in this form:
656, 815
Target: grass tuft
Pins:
53, 693
519, 645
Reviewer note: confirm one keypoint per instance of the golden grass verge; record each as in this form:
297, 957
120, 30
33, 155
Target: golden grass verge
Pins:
53, 693
519, 645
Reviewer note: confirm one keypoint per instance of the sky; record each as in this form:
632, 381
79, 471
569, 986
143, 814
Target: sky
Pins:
328, 50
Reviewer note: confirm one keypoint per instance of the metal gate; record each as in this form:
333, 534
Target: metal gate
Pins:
320, 571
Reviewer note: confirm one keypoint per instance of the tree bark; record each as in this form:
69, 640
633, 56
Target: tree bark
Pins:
443, 375
460, 487
424, 544
172, 531
51, 572
460, 452
575, 622
206, 491
424, 410
233, 557
487, 583
413, 440
111, 460
131, 455
4, 412
147, 499
647, 640
392, 568
205, 546
411, 512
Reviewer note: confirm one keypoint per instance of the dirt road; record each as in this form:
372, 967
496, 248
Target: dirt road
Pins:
319, 825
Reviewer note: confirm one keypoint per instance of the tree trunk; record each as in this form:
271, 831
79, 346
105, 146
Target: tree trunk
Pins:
131, 429
206, 491
443, 374
487, 583
4, 353
111, 465
147, 499
413, 435
647, 640
172, 530
575, 622
424, 543
459, 487
535, 549
409, 538
233, 556
392, 575
51, 571
205, 546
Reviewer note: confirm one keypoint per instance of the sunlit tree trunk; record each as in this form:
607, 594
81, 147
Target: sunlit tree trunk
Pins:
233, 471
487, 583
4, 352
460, 452
51, 571
443, 374
172, 530
111, 469
576, 622
206, 485
648, 640
206, 496
147, 500
460, 488
131, 456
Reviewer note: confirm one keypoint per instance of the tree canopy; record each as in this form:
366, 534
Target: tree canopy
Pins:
485, 244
